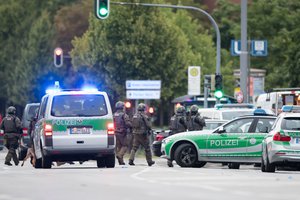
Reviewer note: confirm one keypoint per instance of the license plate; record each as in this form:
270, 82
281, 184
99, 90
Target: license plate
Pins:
80, 130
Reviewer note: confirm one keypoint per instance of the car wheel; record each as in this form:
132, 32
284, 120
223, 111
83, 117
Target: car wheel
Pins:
186, 155
269, 167
46, 161
200, 164
234, 165
110, 161
100, 162
263, 166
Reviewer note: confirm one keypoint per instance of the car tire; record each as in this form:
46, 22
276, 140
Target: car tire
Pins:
186, 155
269, 167
46, 161
200, 164
100, 162
234, 165
262, 167
110, 161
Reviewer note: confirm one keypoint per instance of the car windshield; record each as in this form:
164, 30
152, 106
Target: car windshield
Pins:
229, 115
78, 105
291, 123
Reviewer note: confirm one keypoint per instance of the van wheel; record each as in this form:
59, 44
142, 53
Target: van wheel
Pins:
110, 161
100, 162
186, 155
46, 161
234, 165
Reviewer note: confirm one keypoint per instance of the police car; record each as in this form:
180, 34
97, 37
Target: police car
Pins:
281, 147
237, 141
74, 126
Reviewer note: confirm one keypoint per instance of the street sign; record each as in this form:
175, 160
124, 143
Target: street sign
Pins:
143, 85
143, 94
235, 47
194, 83
259, 47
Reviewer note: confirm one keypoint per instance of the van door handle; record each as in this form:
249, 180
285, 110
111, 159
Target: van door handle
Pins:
80, 142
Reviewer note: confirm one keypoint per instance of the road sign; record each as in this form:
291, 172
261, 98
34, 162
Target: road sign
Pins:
235, 47
259, 47
194, 83
143, 94
143, 85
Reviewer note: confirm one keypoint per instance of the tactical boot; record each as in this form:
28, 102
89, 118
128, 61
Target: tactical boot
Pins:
131, 162
120, 160
8, 163
151, 163
170, 164
16, 163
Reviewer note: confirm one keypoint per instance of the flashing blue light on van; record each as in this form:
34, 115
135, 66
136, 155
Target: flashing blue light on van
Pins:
52, 90
290, 108
89, 89
219, 106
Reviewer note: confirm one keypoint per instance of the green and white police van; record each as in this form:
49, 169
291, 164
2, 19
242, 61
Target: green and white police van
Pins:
74, 126
235, 142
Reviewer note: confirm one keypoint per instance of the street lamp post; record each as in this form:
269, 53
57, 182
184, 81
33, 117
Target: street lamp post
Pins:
218, 61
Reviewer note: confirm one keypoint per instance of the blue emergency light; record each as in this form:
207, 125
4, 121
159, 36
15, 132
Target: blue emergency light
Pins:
290, 109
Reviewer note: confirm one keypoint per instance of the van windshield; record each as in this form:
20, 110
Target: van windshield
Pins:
78, 105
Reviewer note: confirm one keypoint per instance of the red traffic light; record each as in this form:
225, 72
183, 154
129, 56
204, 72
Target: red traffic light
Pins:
151, 110
58, 57
127, 104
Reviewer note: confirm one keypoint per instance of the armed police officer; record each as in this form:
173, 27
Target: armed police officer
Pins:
122, 124
11, 125
195, 121
178, 123
141, 125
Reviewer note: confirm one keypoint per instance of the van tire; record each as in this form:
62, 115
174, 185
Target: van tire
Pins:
110, 161
100, 162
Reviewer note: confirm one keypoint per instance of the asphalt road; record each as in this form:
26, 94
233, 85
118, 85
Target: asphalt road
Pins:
140, 182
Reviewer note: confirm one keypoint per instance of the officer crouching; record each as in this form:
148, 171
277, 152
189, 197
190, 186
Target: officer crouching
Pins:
11, 125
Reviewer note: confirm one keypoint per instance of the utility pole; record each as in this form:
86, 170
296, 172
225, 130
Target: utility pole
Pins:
244, 52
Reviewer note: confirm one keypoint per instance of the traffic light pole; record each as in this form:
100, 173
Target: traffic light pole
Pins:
218, 61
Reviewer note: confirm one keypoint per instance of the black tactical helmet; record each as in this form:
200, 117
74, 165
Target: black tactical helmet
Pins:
194, 109
120, 105
11, 110
141, 107
180, 109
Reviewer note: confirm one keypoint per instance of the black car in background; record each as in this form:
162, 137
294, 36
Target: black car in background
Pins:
28, 115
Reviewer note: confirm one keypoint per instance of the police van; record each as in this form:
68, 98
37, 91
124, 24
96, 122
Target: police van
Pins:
280, 97
74, 126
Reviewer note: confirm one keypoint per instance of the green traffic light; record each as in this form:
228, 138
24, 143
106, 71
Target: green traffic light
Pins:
102, 9
218, 94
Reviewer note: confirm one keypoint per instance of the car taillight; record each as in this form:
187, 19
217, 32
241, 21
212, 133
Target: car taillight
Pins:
110, 129
159, 137
25, 131
282, 138
48, 130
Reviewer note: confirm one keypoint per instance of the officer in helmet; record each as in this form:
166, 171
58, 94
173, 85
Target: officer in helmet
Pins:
11, 125
195, 121
122, 123
178, 123
141, 130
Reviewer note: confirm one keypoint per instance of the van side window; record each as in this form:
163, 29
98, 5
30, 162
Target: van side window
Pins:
43, 108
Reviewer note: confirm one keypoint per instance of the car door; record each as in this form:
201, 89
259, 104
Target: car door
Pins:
261, 127
229, 141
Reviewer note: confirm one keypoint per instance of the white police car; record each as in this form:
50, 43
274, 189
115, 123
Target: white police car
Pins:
74, 126
281, 147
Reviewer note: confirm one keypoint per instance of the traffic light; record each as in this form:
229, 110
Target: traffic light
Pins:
102, 9
58, 57
218, 86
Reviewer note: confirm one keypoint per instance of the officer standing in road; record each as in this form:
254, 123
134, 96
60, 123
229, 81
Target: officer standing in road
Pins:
122, 124
195, 121
178, 123
141, 130
11, 125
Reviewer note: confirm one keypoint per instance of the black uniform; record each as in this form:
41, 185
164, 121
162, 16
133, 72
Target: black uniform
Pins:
195, 122
122, 124
141, 130
178, 123
12, 133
